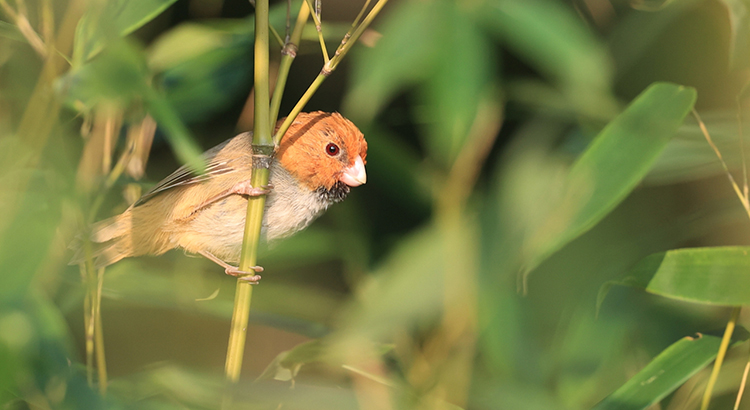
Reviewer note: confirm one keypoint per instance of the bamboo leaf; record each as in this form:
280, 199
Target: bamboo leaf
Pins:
550, 37
11, 31
380, 72
611, 167
716, 275
120, 74
116, 18
668, 371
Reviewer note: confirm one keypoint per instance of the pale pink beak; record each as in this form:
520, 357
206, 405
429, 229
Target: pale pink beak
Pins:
355, 175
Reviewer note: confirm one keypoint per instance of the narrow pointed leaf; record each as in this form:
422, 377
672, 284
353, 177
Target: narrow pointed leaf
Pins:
611, 167
716, 276
668, 371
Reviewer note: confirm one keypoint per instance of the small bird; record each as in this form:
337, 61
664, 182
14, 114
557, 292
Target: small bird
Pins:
320, 157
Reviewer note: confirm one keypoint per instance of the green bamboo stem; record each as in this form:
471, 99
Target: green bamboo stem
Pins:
328, 68
299, 106
720, 358
319, 29
101, 361
263, 140
288, 54
249, 255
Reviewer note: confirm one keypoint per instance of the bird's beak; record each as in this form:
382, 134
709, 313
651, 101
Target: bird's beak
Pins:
355, 175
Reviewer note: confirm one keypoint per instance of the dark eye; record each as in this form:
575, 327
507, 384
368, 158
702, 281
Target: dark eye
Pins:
332, 149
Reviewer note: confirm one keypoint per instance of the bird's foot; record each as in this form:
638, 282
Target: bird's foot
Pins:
247, 188
249, 277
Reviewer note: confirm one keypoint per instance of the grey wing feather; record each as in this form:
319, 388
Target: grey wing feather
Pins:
185, 176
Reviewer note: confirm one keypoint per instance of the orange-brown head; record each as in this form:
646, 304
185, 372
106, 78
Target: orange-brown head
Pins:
322, 150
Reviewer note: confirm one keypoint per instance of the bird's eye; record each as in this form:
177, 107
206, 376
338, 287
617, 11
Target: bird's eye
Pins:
332, 149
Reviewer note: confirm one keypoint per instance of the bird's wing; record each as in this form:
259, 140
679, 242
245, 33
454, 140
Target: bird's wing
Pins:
216, 165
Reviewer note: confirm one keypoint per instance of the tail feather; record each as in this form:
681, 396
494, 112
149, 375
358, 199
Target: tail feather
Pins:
110, 242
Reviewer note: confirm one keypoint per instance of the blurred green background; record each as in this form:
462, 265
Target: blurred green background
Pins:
406, 295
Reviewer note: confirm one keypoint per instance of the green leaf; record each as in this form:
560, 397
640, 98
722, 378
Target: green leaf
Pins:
120, 74
668, 371
454, 92
379, 72
116, 18
11, 31
287, 364
550, 37
610, 168
716, 276
203, 68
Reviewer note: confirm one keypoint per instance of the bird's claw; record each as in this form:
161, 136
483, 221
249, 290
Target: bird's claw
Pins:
247, 188
248, 277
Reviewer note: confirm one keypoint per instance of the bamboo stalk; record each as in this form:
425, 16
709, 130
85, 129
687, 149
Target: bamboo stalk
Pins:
720, 358
288, 54
248, 258
328, 68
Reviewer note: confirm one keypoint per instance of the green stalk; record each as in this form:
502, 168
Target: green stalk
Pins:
288, 54
328, 68
101, 362
249, 255
720, 357
299, 106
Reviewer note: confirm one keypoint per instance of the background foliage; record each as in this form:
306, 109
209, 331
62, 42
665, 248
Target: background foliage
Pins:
524, 155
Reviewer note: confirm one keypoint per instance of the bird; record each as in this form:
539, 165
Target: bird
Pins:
318, 160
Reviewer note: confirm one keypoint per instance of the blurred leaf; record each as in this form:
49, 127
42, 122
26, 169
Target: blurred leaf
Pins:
611, 167
454, 92
407, 54
425, 261
184, 146
11, 31
717, 275
739, 18
668, 371
445, 54
112, 19
288, 363
120, 74
553, 39
650, 5
203, 68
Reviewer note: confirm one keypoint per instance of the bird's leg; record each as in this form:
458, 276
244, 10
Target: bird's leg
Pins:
242, 188
246, 188
231, 270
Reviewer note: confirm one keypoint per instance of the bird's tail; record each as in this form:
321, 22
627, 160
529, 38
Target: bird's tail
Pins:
109, 241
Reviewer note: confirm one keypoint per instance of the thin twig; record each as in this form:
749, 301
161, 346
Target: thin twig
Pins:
720, 358
742, 148
344, 48
737, 190
328, 68
348, 34
276, 36
742, 386
288, 21
319, 29
101, 363
22, 22
288, 54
